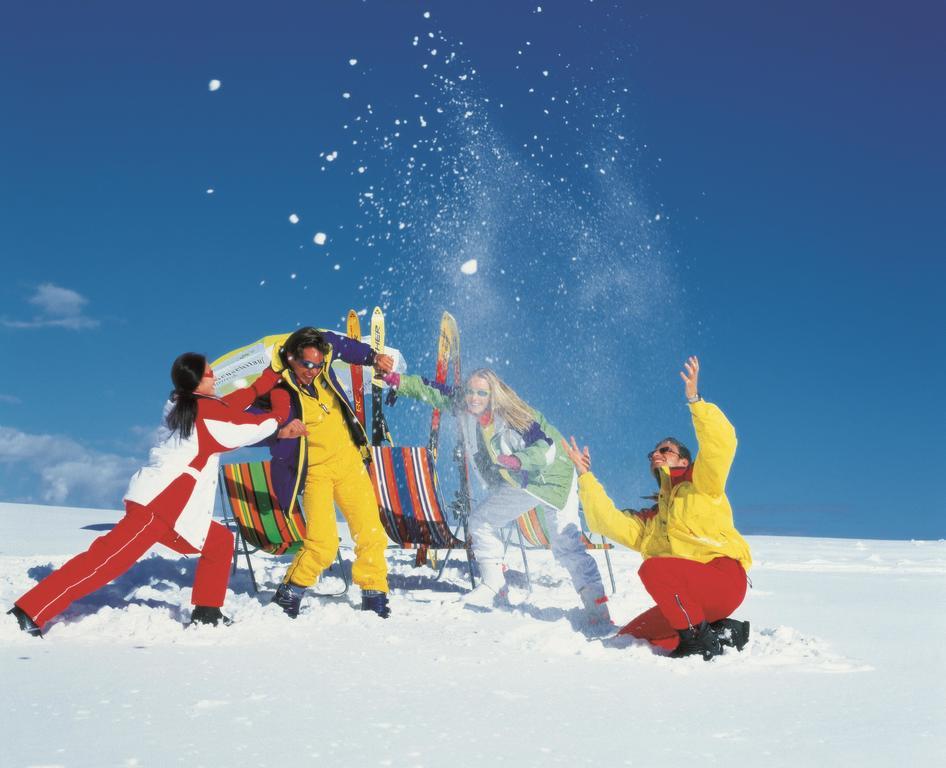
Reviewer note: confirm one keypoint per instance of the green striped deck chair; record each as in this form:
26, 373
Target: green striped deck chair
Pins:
408, 494
246, 492
531, 531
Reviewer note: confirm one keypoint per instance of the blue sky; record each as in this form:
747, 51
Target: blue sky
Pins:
758, 184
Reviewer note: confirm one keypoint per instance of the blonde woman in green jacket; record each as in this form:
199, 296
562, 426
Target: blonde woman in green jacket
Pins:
519, 460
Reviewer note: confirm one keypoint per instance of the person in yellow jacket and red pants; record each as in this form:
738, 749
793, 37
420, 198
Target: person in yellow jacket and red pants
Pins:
695, 561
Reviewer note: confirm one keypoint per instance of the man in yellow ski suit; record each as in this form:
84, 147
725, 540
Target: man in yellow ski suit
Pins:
321, 452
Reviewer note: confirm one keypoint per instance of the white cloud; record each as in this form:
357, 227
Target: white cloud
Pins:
55, 300
10, 399
58, 308
59, 470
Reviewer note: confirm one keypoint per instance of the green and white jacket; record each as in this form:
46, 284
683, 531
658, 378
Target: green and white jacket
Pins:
546, 471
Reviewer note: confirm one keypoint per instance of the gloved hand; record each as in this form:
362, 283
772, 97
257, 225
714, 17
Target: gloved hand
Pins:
509, 461
393, 380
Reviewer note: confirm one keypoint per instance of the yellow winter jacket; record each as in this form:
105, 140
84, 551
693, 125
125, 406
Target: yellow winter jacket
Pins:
693, 519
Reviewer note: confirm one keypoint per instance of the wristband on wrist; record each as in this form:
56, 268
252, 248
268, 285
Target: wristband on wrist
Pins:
695, 399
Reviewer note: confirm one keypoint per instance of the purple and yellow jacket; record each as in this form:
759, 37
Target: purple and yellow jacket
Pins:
289, 455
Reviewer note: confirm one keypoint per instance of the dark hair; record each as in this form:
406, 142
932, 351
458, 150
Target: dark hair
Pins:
302, 338
681, 448
186, 374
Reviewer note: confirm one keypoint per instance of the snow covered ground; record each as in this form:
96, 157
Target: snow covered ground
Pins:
846, 666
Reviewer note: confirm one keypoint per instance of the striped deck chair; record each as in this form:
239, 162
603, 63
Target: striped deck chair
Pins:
408, 494
532, 533
246, 492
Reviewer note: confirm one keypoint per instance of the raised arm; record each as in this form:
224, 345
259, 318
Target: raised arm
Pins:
243, 398
714, 434
602, 514
717, 448
436, 395
356, 352
233, 428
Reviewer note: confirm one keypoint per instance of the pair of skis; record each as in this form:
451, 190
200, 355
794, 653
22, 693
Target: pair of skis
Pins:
379, 425
448, 361
448, 357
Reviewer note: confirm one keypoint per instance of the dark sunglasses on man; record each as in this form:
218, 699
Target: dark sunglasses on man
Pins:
308, 364
664, 449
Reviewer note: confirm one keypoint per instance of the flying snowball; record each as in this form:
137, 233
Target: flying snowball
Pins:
320, 238
293, 219
214, 85
352, 62
469, 267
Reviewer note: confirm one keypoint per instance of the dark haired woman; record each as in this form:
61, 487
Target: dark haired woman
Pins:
517, 456
169, 501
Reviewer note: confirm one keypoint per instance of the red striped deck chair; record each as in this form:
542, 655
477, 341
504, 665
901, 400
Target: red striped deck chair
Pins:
246, 492
412, 510
532, 533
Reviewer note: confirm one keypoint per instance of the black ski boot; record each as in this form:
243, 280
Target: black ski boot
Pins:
289, 598
732, 633
26, 623
375, 600
203, 614
701, 640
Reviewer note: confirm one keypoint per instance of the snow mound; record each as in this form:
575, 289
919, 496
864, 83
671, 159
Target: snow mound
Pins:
118, 671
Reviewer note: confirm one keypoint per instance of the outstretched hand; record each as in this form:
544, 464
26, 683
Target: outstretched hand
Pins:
581, 459
691, 377
383, 363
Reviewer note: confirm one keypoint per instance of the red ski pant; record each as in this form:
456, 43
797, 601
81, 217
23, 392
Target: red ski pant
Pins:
119, 549
686, 593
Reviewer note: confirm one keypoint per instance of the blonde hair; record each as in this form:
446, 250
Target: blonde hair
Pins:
504, 401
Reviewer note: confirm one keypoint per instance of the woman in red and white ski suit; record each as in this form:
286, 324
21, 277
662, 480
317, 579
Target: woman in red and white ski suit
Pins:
169, 501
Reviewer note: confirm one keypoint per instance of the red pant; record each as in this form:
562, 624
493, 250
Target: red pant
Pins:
119, 549
686, 593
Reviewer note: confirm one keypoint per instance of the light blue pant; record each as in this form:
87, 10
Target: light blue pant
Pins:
502, 507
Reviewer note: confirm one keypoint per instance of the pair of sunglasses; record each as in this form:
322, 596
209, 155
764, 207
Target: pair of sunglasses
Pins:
478, 392
308, 364
665, 449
